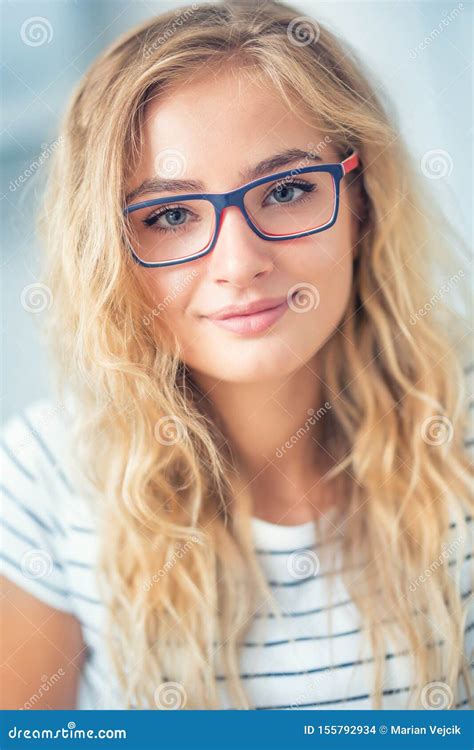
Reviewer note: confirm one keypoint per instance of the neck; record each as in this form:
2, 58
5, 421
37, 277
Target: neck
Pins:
273, 428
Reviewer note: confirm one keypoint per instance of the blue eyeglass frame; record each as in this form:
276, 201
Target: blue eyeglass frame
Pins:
235, 197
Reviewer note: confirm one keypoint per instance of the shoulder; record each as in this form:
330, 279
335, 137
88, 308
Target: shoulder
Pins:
468, 402
458, 543
34, 437
462, 515
34, 445
39, 500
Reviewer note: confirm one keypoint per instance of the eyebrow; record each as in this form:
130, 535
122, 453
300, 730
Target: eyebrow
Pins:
268, 165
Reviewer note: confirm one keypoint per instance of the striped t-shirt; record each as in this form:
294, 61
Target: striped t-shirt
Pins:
313, 656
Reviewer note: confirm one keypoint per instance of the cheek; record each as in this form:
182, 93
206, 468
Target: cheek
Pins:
167, 295
320, 304
321, 268
334, 289
323, 260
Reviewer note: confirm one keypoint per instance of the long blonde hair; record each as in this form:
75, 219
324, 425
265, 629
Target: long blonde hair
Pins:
176, 505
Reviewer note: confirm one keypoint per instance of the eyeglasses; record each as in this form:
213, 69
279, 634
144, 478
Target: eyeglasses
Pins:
283, 206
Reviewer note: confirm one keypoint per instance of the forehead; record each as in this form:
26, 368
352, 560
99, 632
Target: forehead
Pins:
214, 126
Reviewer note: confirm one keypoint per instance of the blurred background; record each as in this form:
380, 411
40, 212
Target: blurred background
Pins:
420, 53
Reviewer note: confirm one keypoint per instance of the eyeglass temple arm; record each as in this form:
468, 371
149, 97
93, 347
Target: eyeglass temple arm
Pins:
351, 162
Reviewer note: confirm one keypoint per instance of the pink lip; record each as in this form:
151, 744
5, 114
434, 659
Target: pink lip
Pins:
252, 307
254, 322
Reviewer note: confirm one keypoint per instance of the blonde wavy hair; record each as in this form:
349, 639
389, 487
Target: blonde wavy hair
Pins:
387, 371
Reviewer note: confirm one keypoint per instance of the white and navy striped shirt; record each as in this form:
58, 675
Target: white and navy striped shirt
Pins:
50, 545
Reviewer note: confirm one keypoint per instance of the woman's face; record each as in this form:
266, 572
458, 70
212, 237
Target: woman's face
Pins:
211, 130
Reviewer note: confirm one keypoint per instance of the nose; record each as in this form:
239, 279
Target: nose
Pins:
239, 255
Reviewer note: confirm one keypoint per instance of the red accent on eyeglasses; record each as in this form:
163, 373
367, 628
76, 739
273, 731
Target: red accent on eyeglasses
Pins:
351, 162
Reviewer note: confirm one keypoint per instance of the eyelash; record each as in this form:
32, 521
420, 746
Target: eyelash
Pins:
307, 187
152, 219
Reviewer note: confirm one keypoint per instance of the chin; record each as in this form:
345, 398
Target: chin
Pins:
252, 367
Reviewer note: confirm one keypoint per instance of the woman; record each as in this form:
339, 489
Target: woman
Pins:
253, 490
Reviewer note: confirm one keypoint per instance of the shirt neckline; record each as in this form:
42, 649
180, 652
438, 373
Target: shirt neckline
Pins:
277, 536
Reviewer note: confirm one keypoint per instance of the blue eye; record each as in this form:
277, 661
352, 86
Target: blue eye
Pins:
286, 193
175, 215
